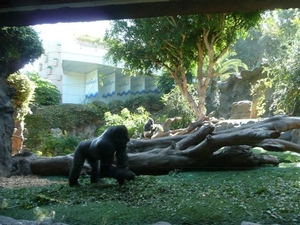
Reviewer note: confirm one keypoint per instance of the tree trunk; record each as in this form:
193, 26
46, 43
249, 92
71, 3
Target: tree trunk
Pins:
200, 149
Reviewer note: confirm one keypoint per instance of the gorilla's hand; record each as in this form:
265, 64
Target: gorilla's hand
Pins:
124, 174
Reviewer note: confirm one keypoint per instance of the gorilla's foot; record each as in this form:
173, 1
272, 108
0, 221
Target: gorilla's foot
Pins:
93, 181
75, 184
124, 174
121, 181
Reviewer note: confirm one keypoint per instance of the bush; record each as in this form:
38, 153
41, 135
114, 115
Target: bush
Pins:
46, 93
116, 106
54, 146
69, 117
133, 121
176, 105
151, 103
23, 96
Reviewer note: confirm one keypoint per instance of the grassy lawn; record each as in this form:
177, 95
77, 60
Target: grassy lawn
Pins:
264, 195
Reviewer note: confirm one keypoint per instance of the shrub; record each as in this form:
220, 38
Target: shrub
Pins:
23, 96
46, 93
116, 106
133, 121
176, 105
54, 146
151, 103
69, 117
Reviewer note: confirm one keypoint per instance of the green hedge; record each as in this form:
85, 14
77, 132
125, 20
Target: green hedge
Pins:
67, 117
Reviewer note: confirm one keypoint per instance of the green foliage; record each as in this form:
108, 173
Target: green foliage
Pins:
284, 67
251, 49
23, 96
90, 39
176, 105
228, 65
276, 44
150, 103
258, 95
69, 117
133, 121
116, 106
101, 107
19, 46
283, 157
165, 83
45, 93
144, 46
202, 197
55, 146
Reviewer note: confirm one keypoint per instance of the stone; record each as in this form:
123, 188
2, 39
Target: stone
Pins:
241, 110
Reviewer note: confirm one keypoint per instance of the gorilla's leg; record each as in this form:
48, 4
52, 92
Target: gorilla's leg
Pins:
122, 158
77, 164
123, 173
95, 170
106, 167
108, 171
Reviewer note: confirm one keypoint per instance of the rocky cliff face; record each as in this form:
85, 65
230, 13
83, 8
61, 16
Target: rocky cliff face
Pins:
237, 88
6, 125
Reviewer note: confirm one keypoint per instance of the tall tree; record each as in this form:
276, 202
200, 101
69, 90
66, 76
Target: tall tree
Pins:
178, 45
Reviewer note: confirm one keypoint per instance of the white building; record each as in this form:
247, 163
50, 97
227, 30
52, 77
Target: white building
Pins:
81, 74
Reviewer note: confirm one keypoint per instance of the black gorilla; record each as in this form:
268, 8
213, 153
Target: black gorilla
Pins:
149, 128
112, 141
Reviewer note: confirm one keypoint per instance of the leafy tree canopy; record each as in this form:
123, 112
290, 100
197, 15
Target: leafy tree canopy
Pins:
177, 45
23, 96
283, 62
45, 93
276, 44
19, 46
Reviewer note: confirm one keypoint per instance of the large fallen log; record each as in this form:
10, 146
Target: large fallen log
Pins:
202, 149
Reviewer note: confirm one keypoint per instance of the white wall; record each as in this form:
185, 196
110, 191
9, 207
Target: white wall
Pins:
123, 84
73, 88
137, 85
91, 84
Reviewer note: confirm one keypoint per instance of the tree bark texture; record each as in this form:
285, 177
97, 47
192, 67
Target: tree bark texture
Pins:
202, 148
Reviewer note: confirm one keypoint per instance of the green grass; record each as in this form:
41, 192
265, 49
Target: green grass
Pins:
265, 195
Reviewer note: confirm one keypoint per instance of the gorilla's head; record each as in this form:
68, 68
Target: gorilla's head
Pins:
119, 134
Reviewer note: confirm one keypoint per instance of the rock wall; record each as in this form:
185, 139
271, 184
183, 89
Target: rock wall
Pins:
6, 125
237, 88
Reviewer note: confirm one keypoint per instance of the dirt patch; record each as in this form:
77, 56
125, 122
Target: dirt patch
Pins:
26, 181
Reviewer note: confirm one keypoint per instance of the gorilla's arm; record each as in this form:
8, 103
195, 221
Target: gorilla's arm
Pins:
78, 161
122, 158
